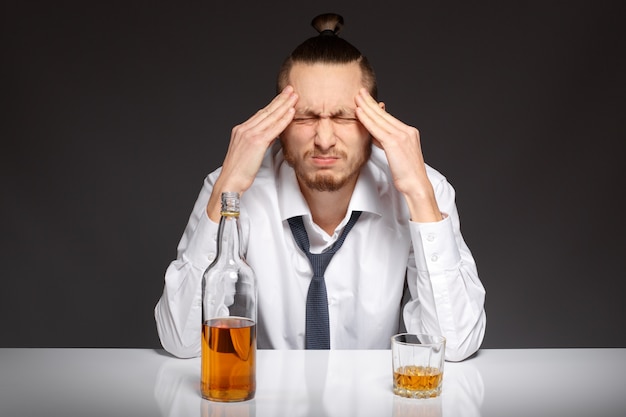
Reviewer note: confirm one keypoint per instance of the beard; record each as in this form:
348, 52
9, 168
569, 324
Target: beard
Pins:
322, 180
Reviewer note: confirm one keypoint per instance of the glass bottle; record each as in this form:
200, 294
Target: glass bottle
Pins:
229, 314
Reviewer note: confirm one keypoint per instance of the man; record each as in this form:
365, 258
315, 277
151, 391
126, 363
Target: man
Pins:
404, 263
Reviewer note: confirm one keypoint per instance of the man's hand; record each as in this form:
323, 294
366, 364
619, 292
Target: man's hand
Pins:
248, 143
401, 144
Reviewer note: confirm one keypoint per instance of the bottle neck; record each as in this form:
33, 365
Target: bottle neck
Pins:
229, 242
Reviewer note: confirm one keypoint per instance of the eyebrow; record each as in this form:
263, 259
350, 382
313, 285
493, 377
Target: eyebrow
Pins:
340, 112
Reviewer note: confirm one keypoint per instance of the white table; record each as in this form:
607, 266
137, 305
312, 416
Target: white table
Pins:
144, 382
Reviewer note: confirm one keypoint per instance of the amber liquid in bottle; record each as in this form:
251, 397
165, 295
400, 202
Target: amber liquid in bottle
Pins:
228, 359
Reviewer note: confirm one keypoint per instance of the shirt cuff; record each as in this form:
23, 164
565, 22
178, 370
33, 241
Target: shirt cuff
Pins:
436, 242
202, 243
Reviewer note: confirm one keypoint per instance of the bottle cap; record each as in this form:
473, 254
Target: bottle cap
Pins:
230, 203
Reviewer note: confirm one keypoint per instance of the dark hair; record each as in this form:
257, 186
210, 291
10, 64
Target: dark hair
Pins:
328, 48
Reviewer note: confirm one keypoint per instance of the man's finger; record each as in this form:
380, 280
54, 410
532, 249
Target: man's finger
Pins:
266, 119
376, 113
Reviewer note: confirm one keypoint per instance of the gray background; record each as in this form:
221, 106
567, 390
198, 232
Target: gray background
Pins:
113, 113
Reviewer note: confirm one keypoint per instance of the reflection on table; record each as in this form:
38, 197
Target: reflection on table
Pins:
146, 382
320, 383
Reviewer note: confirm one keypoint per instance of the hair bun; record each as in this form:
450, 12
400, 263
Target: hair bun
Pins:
328, 22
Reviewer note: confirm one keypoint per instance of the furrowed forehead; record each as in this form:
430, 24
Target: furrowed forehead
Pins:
339, 111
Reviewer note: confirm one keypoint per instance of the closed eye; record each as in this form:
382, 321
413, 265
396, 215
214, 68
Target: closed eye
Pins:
310, 120
345, 120
304, 120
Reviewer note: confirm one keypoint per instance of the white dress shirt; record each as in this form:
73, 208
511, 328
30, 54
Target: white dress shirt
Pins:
391, 273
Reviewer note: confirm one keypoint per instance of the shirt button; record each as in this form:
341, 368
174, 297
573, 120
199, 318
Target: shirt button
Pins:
211, 257
434, 257
430, 237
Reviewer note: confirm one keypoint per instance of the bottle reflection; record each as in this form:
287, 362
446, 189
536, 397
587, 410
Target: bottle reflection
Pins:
177, 393
238, 409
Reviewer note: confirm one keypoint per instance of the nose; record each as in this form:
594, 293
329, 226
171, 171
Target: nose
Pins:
325, 134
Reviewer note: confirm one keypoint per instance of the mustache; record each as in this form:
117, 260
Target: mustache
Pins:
326, 154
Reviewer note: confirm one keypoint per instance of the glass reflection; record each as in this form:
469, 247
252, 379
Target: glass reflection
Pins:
462, 395
412, 407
